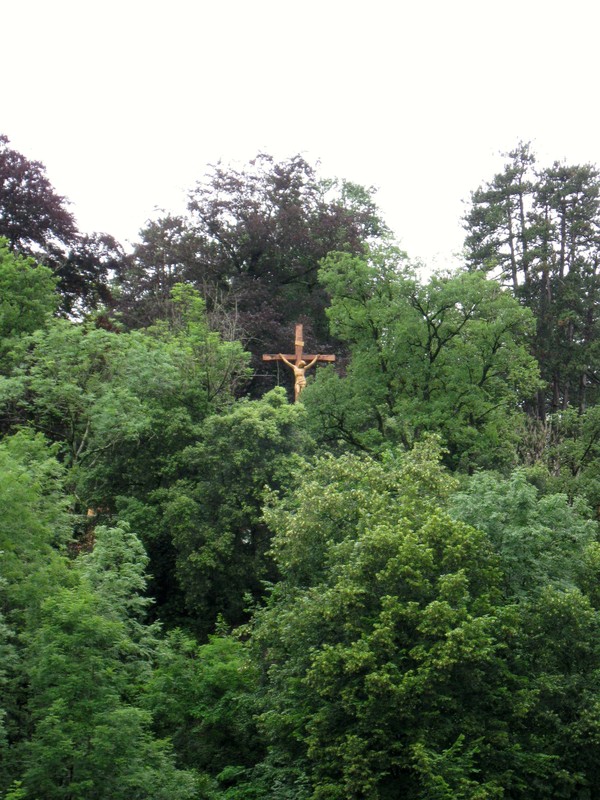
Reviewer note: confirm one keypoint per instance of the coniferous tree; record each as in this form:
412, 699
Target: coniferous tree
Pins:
538, 230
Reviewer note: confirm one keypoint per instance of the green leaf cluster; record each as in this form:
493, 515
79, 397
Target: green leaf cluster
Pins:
448, 356
408, 653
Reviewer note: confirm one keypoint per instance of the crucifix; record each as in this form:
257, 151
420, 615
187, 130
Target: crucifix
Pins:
297, 362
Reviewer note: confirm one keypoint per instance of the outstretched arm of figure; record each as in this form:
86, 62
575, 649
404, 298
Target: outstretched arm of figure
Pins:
312, 363
283, 358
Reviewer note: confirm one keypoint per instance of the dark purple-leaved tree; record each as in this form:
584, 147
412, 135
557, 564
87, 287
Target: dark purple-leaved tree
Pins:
251, 243
36, 222
33, 217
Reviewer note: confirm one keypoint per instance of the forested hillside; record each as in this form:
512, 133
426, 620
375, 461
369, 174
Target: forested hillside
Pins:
389, 589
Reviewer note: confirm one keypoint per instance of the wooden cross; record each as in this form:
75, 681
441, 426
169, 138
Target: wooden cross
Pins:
298, 361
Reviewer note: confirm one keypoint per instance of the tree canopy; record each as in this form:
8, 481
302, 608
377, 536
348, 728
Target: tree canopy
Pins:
388, 589
251, 243
36, 221
447, 355
538, 229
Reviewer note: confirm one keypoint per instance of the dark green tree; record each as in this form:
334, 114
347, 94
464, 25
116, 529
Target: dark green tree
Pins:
571, 446
87, 270
212, 511
167, 253
9, 671
537, 229
205, 697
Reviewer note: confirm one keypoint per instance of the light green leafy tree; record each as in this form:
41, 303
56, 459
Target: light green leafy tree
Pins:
76, 386
27, 298
408, 654
381, 646
448, 356
542, 539
121, 403
34, 525
86, 663
34, 532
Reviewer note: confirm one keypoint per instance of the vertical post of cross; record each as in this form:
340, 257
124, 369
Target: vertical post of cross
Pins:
299, 343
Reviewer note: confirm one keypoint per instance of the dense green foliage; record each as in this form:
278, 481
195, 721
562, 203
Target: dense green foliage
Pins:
538, 228
448, 356
389, 590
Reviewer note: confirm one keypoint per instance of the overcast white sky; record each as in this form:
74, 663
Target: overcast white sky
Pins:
127, 102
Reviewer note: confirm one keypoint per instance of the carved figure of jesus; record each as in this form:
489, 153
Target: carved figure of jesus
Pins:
297, 362
299, 373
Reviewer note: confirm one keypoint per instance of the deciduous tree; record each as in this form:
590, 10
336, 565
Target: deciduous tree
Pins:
448, 355
33, 216
251, 244
381, 644
36, 221
90, 737
212, 512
